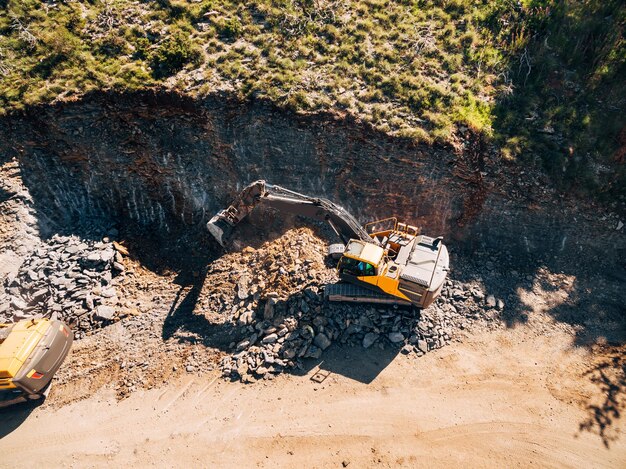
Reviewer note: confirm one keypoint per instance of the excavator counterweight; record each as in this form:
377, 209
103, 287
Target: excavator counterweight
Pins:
394, 265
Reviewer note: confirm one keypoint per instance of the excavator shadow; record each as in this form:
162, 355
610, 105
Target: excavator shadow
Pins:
184, 323
352, 362
187, 325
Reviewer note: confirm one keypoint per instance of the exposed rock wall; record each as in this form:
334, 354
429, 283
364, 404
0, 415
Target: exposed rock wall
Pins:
164, 162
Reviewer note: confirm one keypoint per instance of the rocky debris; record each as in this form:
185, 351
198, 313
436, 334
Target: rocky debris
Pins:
279, 331
66, 278
281, 322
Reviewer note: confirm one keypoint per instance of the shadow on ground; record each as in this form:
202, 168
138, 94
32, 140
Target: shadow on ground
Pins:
353, 362
187, 323
609, 376
588, 297
12, 417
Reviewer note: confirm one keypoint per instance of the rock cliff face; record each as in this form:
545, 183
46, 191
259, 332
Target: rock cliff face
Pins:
162, 162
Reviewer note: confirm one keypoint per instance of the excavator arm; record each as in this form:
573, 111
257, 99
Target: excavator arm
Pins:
279, 198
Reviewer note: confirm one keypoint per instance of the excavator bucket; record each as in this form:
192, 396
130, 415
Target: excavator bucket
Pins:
219, 228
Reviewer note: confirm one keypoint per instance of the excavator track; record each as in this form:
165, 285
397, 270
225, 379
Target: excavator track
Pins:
347, 292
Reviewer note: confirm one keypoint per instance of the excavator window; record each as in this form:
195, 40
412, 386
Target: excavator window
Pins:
355, 267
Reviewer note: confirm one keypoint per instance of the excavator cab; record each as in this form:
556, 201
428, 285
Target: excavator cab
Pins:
360, 259
356, 268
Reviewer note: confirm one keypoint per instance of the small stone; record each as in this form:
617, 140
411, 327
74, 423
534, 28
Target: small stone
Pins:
109, 293
72, 249
243, 287
118, 258
245, 318
458, 294
189, 369
422, 345
500, 304
18, 303
105, 312
478, 294
118, 266
89, 301
244, 344
270, 339
313, 352
268, 312
39, 294
107, 255
261, 371
322, 341
491, 301
407, 349
369, 339
396, 337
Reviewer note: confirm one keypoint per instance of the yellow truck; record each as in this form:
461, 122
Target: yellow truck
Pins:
31, 351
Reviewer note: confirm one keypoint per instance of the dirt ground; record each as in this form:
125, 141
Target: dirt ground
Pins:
509, 398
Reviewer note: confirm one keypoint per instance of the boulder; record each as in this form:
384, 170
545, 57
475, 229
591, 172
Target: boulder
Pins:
322, 341
396, 337
369, 339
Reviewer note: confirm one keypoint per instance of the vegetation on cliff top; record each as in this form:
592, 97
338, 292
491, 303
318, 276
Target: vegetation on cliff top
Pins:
542, 79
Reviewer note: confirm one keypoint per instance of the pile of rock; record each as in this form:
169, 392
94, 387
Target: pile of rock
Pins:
67, 278
282, 332
238, 283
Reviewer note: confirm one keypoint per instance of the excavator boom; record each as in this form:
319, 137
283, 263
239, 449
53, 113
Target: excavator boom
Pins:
260, 192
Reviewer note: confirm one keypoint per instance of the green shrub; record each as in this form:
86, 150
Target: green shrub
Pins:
113, 45
230, 28
171, 56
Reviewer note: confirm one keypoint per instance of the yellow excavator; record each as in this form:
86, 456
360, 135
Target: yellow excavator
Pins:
381, 262
31, 351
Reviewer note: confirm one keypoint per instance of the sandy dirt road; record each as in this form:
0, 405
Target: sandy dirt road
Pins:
509, 398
